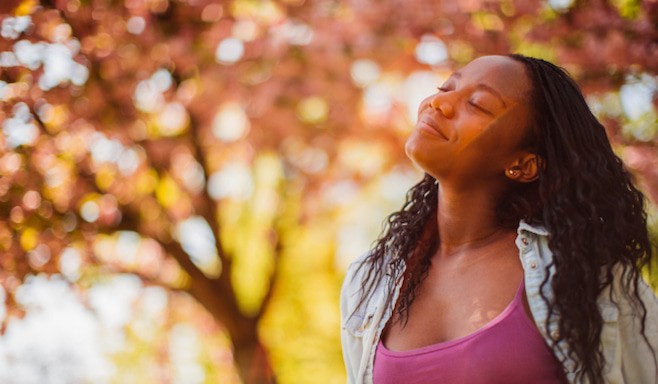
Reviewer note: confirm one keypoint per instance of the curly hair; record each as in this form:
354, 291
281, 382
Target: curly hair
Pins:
583, 196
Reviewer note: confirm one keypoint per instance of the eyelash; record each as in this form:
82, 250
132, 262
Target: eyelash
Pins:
443, 89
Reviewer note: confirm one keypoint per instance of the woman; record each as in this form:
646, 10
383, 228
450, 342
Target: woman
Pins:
516, 259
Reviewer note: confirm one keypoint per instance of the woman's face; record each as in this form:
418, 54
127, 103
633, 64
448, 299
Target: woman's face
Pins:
472, 127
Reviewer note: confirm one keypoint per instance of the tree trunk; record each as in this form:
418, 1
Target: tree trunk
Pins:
252, 362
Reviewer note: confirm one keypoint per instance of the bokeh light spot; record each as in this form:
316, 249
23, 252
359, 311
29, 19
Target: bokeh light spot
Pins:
20, 129
31, 200
197, 239
16, 215
211, 13
299, 33
12, 27
313, 110
39, 256
167, 191
560, 5
126, 247
637, 95
431, 50
128, 162
29, 238
173, 119
364, 72
230, 123
229, 51
161, 80
417, 86
90, 211
61, 33
487, 22
245, 30
136, 25
69, 263
234, 181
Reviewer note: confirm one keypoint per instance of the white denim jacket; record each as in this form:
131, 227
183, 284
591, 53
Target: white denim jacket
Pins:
628, 358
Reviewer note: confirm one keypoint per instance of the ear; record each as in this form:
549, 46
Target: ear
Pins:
524, 169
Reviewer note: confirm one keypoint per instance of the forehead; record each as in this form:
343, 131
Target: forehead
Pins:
502, 73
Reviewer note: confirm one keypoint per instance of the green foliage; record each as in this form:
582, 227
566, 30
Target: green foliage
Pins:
629, 9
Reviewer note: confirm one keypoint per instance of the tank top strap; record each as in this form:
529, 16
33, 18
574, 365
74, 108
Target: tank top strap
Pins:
519, 291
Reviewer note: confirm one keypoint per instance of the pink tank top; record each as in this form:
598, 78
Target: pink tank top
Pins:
508, 350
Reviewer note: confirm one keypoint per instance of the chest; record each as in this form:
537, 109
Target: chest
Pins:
455, 300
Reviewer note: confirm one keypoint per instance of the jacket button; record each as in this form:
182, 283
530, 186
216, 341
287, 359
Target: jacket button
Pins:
555, 335
533, 265
524, 240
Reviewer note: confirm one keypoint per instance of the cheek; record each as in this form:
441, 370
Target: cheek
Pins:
487, 136
424, 104
499, 135
475, 137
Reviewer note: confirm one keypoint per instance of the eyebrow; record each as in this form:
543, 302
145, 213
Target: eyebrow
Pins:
484, 87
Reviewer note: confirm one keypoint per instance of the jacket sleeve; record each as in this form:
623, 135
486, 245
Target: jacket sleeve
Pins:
351, 357
639, 358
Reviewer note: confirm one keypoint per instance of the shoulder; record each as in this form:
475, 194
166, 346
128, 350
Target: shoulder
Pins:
362, 280
350, 291
356, 267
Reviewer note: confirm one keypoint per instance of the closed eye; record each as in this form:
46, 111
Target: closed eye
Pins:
471, 103
480, 108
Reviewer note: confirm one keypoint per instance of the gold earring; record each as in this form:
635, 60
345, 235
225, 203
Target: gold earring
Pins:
512, 172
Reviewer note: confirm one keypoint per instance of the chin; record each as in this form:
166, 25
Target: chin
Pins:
408, 148
429, 159
412, 151
414, 145
417, 155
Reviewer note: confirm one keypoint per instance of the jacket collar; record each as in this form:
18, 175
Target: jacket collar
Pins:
537, 230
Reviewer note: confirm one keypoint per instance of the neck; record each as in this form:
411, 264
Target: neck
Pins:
467, 220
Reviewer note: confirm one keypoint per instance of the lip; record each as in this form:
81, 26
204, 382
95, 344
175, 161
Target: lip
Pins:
428, 125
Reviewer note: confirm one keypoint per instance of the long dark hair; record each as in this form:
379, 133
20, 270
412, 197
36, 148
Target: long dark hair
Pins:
584, 197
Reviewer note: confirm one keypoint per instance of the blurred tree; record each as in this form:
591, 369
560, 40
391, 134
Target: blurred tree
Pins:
245, 151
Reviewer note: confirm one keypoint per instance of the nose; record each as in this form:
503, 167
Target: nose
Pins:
442, 105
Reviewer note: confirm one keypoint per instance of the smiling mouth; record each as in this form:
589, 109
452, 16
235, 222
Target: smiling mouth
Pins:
430, 128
